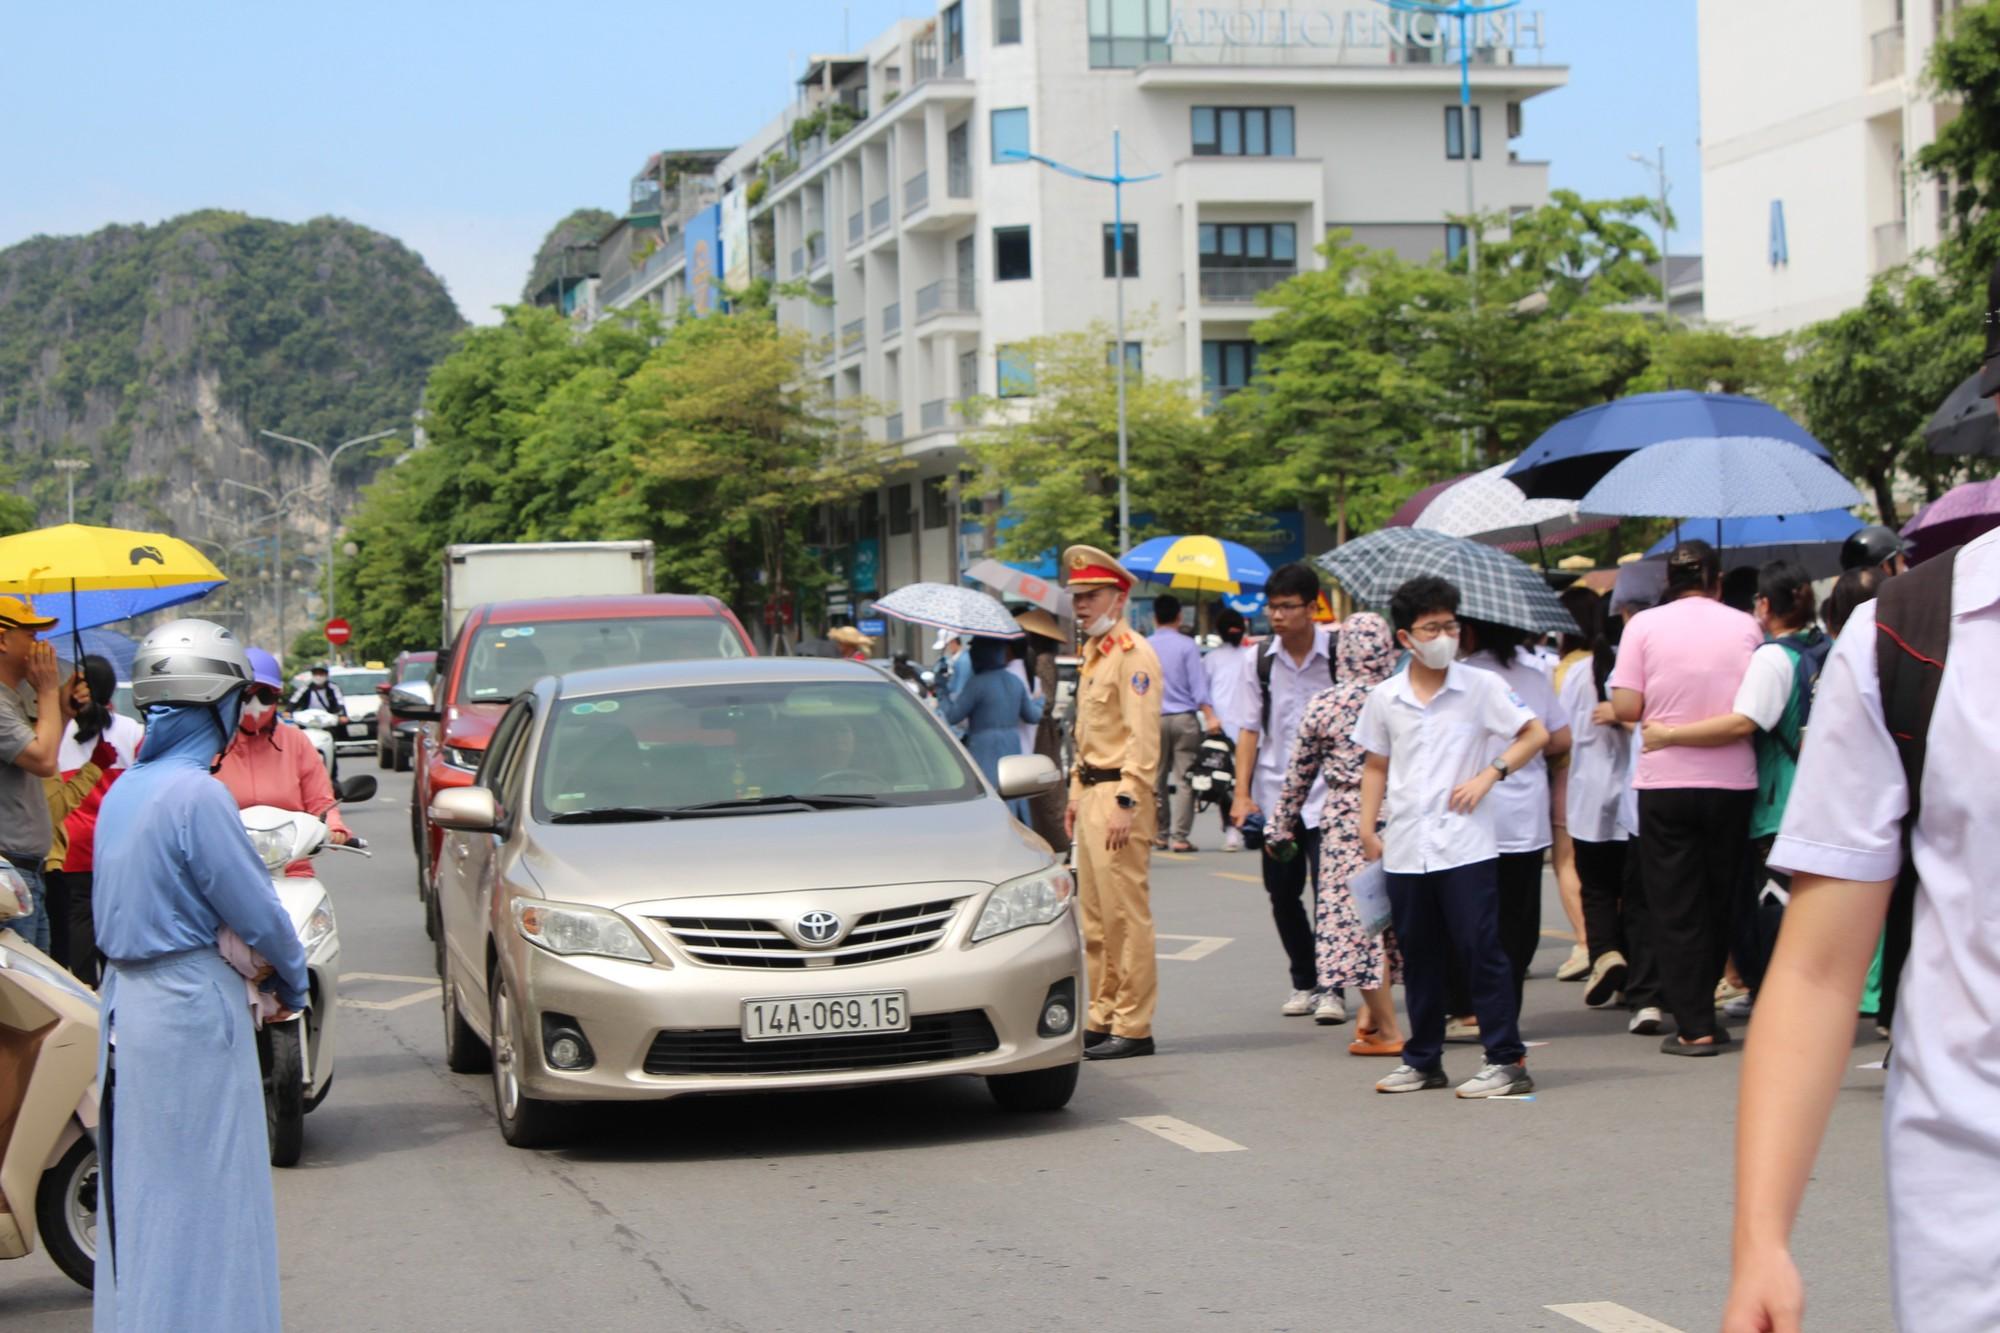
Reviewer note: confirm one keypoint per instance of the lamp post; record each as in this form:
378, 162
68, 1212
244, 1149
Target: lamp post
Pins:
1658, 165
280, 506
69, 467
1117, 180
329, 457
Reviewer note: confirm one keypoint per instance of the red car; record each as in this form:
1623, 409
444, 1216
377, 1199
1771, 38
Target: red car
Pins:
505, 647
396, 730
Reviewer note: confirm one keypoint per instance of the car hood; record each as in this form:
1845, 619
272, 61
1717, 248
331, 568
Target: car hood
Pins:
612, 865
470, 726
363, 705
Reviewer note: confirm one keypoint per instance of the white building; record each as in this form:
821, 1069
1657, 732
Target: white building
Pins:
1811, 111
929, 253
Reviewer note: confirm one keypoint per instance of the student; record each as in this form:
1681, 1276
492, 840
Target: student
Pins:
1423, 730
1599, 770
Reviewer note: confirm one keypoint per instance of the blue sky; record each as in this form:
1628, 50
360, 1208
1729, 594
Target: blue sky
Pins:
467, 129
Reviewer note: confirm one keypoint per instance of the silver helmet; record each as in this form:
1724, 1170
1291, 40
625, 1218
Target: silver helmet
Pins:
188, 662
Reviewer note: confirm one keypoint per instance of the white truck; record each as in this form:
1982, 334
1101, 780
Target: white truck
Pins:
513, 571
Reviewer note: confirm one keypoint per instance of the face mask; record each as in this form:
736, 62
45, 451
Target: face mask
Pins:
1438, 653
1102, 626
319, 680
254, 712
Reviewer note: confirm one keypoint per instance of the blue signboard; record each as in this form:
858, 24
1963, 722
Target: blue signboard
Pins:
865, 567
703, 237
874, 627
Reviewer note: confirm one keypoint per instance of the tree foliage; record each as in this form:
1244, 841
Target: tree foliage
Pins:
1964, 71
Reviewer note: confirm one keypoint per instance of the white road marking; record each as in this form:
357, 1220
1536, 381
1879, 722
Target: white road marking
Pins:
1192, 1137
1873, 1064
431, 992
388, 976
1200, 947
1610, 1317
387, 800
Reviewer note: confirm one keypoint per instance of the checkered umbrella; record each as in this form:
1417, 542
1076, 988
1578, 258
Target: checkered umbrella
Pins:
1492, 585
946, 606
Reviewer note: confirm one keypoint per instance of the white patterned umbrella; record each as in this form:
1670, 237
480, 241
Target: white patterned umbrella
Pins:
947, 606
1030, 588
1492, 510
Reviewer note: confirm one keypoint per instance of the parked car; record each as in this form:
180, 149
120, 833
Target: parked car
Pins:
747, 875
502, 648
396, 733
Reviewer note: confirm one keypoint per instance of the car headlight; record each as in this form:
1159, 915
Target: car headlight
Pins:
274, 845
566, 928
1034, 900
317, 927
460, 757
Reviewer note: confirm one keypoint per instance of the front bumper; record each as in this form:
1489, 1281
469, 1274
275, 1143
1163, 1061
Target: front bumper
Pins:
622, 1007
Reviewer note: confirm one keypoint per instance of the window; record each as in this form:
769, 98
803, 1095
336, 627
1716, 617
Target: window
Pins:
1248, 245
1016, 374
1127, 33
871, 515
900, 517
1010, 134
1131, 250
1135, 361
936, 504
1454, 241
1006, 22
954, 36
1010, 254
1227, 366
1454, 133
1243, 131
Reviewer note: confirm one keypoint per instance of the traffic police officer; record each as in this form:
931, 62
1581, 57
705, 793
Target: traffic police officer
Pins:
1111, 807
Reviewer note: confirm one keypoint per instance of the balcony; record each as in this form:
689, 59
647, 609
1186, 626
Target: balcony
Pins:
1229, 286
892, 319
854, 229
878, 216
1892, 245
945, 298
916, 192
931, 415
608, 297
958, 178
892, 427
815, 250
853, 335
798, 261
1885, 54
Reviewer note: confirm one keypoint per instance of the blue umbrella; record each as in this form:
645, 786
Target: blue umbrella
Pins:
1813, 540
116, 648
1198, 562
1719, 478
84, 610
1574, 454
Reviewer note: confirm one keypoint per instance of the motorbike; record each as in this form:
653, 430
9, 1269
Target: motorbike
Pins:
48, 1110
295, 1055
319, 726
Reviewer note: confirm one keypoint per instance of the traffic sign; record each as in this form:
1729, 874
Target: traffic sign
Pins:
338, 632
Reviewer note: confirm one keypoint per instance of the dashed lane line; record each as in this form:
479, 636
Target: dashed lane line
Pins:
1192, 1137
1247, 879
1610, 1317
1197, 948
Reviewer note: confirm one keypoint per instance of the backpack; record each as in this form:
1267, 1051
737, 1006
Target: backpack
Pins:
1912, 639
1265, 661
1809, 650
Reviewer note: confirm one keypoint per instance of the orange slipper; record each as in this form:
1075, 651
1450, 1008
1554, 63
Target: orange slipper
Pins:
1371, 1046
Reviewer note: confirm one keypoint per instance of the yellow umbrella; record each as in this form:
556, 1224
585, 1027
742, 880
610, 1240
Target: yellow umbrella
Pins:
99, 575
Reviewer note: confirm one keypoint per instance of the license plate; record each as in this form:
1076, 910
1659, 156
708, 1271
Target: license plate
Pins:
826, 1015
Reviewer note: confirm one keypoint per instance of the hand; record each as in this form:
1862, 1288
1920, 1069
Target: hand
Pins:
1465, 797
265, 973
1069, 822
1212, 725
1371, 845
283, 1015
42, 669
1272, 844
66, 698
340, 837
1765, 1295
1241, 808
1604, 715
1659, 736
343, 719
1118, 830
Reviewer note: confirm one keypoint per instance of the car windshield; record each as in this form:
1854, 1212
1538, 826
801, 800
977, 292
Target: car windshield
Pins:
419, 673
359, 681
507, 659
835, 744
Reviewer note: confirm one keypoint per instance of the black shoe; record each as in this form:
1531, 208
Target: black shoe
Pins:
1673, 1045
1119, 1048
1092, 1037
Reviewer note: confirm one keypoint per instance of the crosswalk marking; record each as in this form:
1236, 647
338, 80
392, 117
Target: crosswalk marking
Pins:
1192, 1137
1197, 948
1610, 1317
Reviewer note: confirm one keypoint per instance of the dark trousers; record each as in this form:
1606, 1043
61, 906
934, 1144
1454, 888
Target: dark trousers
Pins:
1520, 927
84, 961
1691, 840
1435, 913
1756, 916
55, 892
1290, 886
1600, 866
1642, 959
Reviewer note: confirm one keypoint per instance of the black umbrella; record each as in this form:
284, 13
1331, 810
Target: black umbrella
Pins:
1966, 425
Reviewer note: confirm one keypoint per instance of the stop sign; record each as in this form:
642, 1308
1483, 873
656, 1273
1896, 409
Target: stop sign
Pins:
338, 632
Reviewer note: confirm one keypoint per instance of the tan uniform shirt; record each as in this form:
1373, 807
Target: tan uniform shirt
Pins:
1118, 713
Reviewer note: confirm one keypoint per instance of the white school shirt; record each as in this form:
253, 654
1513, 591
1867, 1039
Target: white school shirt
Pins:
1766, 687
124, 734
1941, 1122
1292, 688
1600, 762
1521, 803
1431, 750
1225, 667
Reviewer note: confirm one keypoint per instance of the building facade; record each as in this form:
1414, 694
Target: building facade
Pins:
1807, 192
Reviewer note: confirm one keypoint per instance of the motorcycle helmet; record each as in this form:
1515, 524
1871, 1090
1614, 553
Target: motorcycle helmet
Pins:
188, 662
1873, 545
264, 669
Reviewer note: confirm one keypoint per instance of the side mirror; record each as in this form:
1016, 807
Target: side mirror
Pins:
360, 787
465, 809
382, 688
407, 700
1027, 775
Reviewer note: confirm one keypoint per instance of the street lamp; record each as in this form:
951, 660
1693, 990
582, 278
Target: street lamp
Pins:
1117, 180
69, 467
329, 458
280, 506
1659, 167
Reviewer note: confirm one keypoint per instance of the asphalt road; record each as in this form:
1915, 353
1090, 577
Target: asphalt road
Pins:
1311, 1203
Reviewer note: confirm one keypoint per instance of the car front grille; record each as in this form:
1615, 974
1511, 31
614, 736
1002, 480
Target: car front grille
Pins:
931, 1037
894, 932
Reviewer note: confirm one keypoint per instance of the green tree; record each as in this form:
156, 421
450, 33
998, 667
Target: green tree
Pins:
1964, 72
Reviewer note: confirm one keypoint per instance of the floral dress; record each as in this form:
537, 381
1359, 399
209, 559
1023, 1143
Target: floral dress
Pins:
1347, 955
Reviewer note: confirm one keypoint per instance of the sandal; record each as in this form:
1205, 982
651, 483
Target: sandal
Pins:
1367, 1043
1185, 848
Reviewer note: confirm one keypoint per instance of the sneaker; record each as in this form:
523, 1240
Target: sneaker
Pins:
1405, 1079
1462, 1030
1232, 841
1607, 975
1498, 1081
1727, 990
1329, 1010
1738, 1008
1648, 1022
1300, 1004
1576, 967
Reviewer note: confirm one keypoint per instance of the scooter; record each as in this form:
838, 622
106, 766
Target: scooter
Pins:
48, 1109
296, 1055
318, 725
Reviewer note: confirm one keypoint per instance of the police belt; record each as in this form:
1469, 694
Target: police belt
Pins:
1090, 777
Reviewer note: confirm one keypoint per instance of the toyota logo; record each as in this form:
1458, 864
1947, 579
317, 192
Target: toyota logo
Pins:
819, 928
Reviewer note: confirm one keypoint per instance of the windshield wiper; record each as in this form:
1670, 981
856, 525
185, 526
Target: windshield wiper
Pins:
611, 814
822, 801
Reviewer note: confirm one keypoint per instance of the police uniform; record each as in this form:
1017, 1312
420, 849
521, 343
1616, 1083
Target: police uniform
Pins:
1117, 764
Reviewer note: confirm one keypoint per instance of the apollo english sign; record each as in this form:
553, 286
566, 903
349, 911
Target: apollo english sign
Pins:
1374, 27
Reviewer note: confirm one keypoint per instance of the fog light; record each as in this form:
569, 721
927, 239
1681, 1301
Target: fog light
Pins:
565, 1052
563, 1043
1058, 1009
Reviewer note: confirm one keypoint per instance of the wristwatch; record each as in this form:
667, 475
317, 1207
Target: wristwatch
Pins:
1500, 767
1127, 802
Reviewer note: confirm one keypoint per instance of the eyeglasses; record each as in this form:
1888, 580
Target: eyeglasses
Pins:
265, 695
1431, 629
1286, 608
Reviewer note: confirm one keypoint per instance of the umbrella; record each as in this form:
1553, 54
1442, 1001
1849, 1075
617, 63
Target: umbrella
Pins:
1022, 586
85, 610
142, 571
1407, 512
1966, 424
116, 648
1492, 585
1813, 540
1489, 508
1959, 515
947, 606
1574, 454
1718, 478
1204, 564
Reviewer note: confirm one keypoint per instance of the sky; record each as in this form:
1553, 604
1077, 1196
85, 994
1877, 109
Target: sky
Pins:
468, 129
